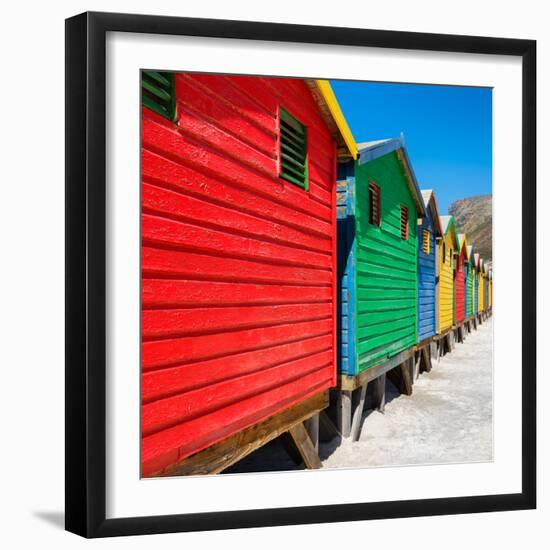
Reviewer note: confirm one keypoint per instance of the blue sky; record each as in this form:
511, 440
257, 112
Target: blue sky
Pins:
448, 131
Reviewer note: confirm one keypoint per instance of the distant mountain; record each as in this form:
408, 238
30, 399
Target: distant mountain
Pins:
474, 216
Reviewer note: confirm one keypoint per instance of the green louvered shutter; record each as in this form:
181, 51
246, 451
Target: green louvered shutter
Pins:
293, 150
157, 93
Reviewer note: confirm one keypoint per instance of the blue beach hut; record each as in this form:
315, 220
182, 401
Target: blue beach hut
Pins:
429, 230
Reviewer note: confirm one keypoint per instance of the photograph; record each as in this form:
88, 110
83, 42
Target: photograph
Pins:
316, 274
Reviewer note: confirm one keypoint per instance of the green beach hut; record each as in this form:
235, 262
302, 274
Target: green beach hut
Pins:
379, 203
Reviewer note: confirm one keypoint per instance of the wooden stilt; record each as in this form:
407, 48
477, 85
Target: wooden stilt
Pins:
380, 392
427, 360
407, 386
291, 449
305, 446
358, 414
411, 367
343, 412
312, 427
417, 364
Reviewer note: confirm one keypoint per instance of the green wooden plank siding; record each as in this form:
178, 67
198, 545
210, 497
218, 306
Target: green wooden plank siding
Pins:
386, 265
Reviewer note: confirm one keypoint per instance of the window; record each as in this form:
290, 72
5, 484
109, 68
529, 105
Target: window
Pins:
426, 241
374, 204
157, 93
293, 150
444, 255
404, 222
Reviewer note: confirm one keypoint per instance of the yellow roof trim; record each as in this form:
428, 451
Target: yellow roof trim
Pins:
325, 90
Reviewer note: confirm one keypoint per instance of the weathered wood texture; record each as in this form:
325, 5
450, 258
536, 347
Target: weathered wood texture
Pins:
350, 383
223, 454
238, 265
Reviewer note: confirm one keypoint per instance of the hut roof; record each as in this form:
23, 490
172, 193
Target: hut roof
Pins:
477, 260
471, 254
333, 116
463, 244
446, 223
371, 150
428, 197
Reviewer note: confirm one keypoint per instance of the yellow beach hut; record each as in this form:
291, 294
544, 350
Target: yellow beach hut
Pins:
447, 250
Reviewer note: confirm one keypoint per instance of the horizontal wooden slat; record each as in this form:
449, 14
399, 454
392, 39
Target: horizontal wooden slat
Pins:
168, 446
159, 293
251, 200
166, 263
180, 147
179, 408
160, 230
226, 115
172, 322
173, 380
195, 348
182, 207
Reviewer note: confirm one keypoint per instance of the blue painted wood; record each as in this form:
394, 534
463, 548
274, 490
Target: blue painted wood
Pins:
476, 294
346, 269
426, 281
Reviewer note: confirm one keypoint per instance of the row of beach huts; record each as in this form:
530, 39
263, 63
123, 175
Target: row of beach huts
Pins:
287, 271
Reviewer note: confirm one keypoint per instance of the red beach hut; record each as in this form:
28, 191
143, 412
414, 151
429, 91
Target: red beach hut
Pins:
461, 258
238, 255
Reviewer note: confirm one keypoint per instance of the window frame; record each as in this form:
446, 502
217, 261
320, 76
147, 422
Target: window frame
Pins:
404, 229
375, 195
426, 241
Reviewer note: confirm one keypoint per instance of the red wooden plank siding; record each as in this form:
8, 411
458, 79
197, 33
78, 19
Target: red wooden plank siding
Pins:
459, 289
238, 266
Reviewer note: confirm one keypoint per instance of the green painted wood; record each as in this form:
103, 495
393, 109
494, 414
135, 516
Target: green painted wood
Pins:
293, 150
158, 93
386, 266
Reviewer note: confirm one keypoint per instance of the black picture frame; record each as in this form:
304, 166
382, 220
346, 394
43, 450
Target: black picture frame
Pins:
86, 263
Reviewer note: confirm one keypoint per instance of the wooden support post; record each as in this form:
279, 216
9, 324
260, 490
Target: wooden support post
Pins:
380, 392
290, 448
312, 427
407, 386
450, 345
327, 430
411, 367
417, 364
427, 360
343, 412
220, 456
305, 446
358, 414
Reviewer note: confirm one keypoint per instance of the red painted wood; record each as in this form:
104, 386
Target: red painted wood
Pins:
167, 412
178, 264
201, 432
238, 265
172, 351
171, 323
174, 380
459, 289
253, 200
182, 207
179, 147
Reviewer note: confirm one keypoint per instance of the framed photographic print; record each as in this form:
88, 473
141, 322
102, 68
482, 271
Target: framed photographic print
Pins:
300, 274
